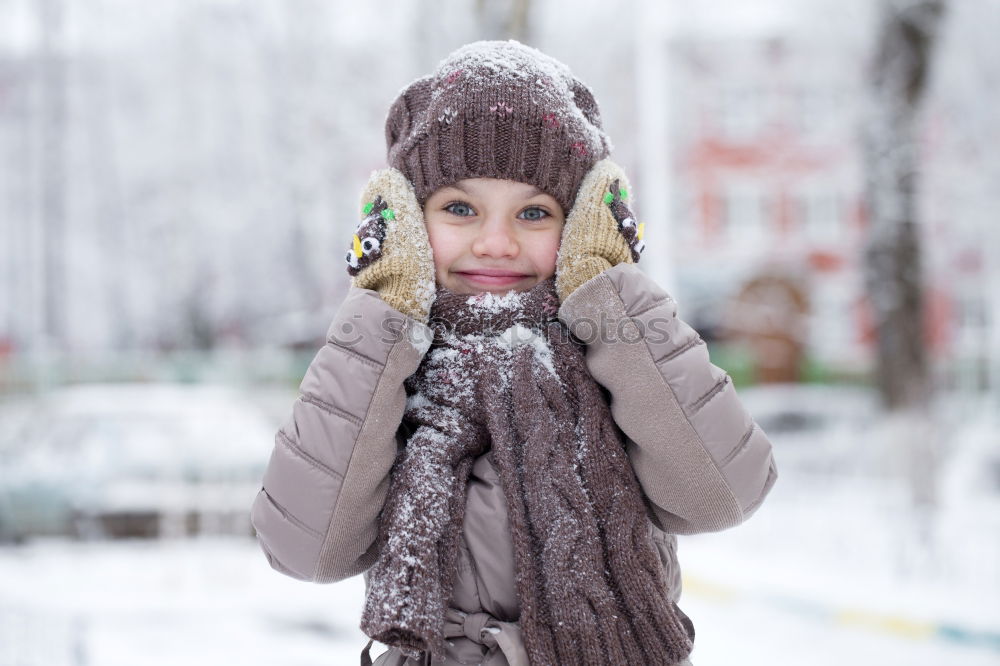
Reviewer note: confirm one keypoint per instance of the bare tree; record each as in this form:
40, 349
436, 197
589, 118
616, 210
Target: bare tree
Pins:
893, 274
52, 70
900, 69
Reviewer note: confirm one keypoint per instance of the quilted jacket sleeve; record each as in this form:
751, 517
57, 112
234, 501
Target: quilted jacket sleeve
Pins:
702, 462
317, 510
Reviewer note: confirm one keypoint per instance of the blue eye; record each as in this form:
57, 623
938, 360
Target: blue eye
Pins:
459, 208
534, 214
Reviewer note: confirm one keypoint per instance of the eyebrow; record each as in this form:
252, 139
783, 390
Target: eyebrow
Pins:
535, 190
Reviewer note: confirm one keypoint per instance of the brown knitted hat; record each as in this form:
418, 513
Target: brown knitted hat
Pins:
495, 109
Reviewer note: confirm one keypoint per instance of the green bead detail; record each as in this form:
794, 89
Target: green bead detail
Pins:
622, 193
368, 207
388, 214
608, 197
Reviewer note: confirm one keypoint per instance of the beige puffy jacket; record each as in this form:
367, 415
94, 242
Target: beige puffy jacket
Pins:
703, 464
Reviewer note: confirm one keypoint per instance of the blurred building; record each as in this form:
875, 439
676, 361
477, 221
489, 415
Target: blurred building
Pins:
182, 178
770, 182
769, 178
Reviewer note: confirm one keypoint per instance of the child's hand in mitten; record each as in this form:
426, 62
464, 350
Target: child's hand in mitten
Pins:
600, 230
390, 251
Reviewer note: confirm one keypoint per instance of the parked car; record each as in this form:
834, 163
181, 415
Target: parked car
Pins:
816, 428
110, 460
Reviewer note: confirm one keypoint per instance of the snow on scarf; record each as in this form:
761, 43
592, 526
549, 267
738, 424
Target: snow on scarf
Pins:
504, 371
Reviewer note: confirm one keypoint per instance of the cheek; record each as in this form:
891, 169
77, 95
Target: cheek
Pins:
545, 253
445, 246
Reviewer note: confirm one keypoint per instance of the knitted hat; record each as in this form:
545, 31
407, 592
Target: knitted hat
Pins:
495, 109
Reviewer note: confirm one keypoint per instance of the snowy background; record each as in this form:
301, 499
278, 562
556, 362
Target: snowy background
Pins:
178, 184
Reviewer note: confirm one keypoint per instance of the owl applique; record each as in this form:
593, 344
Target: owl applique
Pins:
615, 199
369, 236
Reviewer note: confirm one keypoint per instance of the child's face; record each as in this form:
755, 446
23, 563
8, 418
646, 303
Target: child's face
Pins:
480, 226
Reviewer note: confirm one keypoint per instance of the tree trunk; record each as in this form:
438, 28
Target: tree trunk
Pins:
52, 71
893, 257
893, 272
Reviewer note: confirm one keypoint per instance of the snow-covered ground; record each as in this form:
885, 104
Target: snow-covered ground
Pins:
818, 576
838, 573
835, 568
200, 601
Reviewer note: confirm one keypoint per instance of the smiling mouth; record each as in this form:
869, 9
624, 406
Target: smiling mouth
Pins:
492, 272
492, 277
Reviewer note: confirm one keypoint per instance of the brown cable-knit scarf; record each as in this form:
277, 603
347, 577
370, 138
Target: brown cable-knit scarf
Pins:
504, 371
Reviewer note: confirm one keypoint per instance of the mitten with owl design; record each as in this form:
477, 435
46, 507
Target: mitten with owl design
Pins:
600, 230
390, 252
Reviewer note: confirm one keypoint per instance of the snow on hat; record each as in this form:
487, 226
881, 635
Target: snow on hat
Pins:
496, 109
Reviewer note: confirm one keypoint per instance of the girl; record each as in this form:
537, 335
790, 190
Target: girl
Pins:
508, 423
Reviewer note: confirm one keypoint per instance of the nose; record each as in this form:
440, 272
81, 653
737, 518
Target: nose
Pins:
496, 238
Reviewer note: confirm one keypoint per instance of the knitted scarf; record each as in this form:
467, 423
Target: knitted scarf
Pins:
503, 371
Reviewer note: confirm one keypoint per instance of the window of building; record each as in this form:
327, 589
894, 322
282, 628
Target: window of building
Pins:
744, 213
819, 213
740, 111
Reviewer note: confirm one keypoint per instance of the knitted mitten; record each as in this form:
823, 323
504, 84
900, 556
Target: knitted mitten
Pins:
391, 253
600, 229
